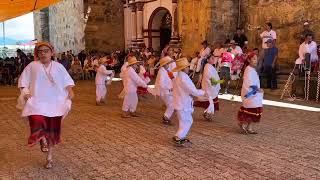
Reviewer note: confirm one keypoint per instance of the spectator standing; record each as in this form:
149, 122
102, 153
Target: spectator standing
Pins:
269, 33
269, 64
65, 62
82, 57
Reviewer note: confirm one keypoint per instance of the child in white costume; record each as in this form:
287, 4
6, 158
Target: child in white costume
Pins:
252, 96
210, 83
101, 78
122, 75
183, 90
163, 88
131, 81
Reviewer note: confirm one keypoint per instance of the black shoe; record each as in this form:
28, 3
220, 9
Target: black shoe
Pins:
181, 142
166, 120
176, 139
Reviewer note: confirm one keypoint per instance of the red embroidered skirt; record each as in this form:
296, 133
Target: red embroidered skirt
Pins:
249, 115
205, 104
48, 127
142, 90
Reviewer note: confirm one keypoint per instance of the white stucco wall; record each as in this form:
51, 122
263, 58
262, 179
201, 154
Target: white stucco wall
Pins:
127, 25
148, 9
151, 6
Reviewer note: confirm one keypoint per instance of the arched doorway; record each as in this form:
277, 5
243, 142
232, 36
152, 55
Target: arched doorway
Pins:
159, 28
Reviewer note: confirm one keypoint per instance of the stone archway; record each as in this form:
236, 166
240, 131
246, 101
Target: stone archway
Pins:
159, 28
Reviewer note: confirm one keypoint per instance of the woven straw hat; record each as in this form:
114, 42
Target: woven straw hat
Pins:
181, 64
164, 61
132, 60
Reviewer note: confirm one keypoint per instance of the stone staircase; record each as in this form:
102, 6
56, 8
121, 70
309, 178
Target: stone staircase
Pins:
282, 80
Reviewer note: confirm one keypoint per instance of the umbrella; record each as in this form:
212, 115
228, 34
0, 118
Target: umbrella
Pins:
30, 43
14, 8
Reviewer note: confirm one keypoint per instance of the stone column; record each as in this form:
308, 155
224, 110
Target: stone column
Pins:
174, 17
133, 24
175, 39
140, 23
127, 21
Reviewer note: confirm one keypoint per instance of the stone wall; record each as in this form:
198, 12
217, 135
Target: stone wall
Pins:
212, 20
63, 24
66, 22
104, 28
287, 17
41, 25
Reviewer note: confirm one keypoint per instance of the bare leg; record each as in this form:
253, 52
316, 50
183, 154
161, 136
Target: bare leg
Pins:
49, 158
244, 127
252, 129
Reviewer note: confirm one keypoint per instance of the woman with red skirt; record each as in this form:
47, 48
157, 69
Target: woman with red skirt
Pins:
250, 112
47, 88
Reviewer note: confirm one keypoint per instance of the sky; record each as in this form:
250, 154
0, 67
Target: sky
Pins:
20, 28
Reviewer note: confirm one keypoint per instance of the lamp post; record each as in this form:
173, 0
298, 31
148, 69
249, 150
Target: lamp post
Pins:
4, 35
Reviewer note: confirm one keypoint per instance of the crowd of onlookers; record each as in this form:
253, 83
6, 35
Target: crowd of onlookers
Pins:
12, 67
83, 66
230, 58
80, 66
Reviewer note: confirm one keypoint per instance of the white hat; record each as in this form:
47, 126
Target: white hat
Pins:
306, 23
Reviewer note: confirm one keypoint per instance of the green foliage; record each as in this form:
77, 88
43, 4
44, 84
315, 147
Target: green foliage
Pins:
3, 52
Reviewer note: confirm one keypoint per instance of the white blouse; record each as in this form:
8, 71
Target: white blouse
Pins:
102, 75
49, 96
163, 83
251, 78
208, 73
132, 80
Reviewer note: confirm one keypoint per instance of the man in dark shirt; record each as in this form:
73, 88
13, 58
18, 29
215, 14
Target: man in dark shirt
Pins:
65, 62
269, 64
240, 38
82, 57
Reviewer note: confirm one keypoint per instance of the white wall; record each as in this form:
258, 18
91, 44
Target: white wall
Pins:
148, 9
151, 6
127, 25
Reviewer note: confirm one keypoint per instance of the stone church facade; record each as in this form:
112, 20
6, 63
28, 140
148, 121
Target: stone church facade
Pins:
108, 25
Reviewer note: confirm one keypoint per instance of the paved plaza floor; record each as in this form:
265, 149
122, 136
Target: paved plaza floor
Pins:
99, 144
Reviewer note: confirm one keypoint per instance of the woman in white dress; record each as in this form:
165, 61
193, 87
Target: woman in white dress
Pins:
47, 89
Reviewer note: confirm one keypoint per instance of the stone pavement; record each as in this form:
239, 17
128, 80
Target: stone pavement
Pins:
98, 144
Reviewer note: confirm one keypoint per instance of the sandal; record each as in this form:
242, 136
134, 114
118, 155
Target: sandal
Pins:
49, 164
243, 129
252, 132
44, 145
166, 121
